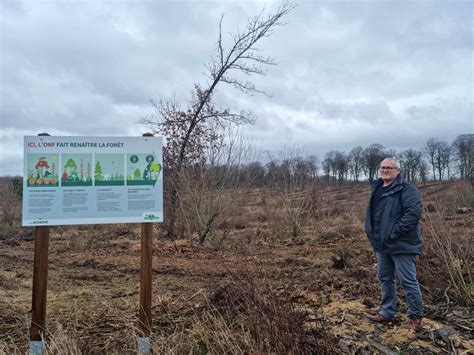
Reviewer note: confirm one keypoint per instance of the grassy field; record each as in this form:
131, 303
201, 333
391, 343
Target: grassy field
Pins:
255, 286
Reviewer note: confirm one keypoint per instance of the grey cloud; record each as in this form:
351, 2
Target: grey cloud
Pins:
89, 67
371, 111
443, 116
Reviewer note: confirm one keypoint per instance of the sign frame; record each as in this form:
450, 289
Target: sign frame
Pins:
71, 180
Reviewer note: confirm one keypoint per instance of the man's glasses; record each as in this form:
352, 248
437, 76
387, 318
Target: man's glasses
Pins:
387, 168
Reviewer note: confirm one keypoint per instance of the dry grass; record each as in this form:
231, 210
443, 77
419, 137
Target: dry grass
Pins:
245, 314
449, 253
248, 289
10, 203
256, 308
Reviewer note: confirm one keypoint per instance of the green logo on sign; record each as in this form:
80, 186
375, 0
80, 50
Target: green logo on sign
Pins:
150, 158
133, 159
150, 217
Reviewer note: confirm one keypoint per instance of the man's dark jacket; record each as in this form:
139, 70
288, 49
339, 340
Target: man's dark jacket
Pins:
401, 211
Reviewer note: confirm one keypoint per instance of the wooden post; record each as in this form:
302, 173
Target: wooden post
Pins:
40, 282
144, 343
145, 278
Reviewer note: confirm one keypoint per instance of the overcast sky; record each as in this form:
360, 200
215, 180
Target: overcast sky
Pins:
349, 72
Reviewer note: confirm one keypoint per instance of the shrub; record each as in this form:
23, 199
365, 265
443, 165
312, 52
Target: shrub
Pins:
10, 202
254, 306
446, 265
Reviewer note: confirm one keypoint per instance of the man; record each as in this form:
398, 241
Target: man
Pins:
392, 226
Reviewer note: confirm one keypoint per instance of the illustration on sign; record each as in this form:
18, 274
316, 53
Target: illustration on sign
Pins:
42, 170
77, 170
108, 170
142, 169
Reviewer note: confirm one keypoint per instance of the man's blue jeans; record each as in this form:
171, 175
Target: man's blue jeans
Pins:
403, 266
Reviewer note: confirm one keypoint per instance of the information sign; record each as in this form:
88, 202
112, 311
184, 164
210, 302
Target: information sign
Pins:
92, 180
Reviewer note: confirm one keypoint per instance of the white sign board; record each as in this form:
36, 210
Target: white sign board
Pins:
92, 180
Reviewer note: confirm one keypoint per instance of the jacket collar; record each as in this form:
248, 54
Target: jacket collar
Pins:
378, 182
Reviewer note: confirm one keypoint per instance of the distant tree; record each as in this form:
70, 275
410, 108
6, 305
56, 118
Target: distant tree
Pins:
330, 165
423, 171
410, 161
254, 174
17, 184
327, 167
341, 164
441, 157
356, 161
430, 149
271, 171
284, 171
373, 156
446, 159
390, 153
303, 170
463, 147
313, 167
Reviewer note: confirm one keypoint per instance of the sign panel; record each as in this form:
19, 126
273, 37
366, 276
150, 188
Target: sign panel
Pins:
92, 180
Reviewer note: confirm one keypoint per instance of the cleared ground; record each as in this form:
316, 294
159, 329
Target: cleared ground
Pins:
245, 289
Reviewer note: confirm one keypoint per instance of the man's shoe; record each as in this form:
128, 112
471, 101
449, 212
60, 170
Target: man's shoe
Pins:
414, 324
379, 319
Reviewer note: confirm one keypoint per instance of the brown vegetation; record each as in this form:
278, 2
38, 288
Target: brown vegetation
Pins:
250, 288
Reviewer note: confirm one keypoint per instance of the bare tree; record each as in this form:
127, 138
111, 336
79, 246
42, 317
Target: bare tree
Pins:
207, 192
423, 171
326, 165
463, 147
430, 149
373, 156
441, 157
304, 169
356, 161
446, 159
313, 166
181, 126
410, 160
294, 192
253, 174
341, 163
329, 165
336, 163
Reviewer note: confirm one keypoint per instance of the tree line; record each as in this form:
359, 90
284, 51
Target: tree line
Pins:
437, 160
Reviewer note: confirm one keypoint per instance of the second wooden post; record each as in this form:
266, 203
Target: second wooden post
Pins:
145, 278
144, 342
